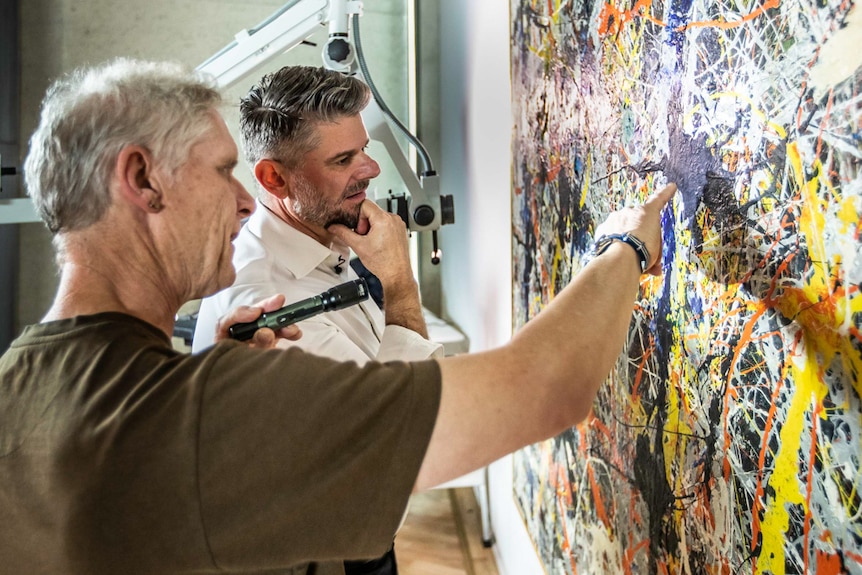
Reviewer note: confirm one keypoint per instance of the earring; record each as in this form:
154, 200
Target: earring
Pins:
155, 205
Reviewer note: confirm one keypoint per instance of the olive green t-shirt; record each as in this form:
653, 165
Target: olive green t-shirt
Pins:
120, 455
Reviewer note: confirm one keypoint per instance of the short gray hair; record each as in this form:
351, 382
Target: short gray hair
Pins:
278, 117
91, 114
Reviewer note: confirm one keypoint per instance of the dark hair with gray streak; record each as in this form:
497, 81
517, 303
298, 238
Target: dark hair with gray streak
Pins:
279, 115
90, 115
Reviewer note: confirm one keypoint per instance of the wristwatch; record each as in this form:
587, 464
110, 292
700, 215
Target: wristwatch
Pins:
604, 242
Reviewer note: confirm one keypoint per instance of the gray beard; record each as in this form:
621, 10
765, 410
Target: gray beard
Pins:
309, 208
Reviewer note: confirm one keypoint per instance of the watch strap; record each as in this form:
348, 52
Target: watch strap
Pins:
605, 241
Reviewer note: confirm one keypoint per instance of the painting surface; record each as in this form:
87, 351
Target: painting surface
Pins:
728, 437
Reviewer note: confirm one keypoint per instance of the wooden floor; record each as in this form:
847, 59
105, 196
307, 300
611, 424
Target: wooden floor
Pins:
443, 536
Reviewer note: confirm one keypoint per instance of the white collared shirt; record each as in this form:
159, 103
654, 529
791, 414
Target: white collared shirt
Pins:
272, 257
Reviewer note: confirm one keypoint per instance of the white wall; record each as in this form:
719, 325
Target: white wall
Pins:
475, 167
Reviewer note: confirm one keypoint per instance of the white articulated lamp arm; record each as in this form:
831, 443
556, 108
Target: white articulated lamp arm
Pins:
424, 211
286, 28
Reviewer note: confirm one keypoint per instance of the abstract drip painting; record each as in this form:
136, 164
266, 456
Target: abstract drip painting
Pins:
728, 438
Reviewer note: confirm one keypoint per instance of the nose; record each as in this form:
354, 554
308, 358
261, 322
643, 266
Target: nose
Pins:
371, 169
245, 205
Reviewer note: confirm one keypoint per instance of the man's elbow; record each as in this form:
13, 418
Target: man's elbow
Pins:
574, 405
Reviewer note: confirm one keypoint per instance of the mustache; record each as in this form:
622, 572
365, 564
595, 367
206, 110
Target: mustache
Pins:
360, 186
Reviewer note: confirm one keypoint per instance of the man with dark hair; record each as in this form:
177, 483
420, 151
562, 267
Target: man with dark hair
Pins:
119, 454
305, 141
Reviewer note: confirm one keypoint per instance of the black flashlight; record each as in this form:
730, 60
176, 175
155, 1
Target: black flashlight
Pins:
341, 296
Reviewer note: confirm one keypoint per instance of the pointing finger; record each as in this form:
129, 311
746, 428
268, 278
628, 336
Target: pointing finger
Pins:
659, 199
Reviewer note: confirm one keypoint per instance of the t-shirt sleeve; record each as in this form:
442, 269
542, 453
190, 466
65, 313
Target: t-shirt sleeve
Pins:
302, 458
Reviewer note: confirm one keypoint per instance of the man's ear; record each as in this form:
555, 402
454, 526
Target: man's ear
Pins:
138, 184
271, 176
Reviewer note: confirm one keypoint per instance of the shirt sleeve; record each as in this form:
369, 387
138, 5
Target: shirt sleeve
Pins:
397, 343
322, 337
400, 343
215, 306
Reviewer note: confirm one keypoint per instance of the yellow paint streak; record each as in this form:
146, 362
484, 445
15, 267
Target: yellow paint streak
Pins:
677, 431
848, 214
824, 311
586, 185
555, 267
813, 221
558, 5
785, 483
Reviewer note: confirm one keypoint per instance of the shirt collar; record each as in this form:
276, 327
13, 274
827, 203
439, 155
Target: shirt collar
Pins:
306, 253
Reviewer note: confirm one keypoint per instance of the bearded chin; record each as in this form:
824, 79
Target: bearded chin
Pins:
345, 218
308, 207
326, 218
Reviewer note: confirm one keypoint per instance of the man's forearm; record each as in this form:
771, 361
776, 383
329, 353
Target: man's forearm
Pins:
403, 307
541, 382
546, 379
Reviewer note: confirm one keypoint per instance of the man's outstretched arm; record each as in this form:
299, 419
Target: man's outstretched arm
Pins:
546, 378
